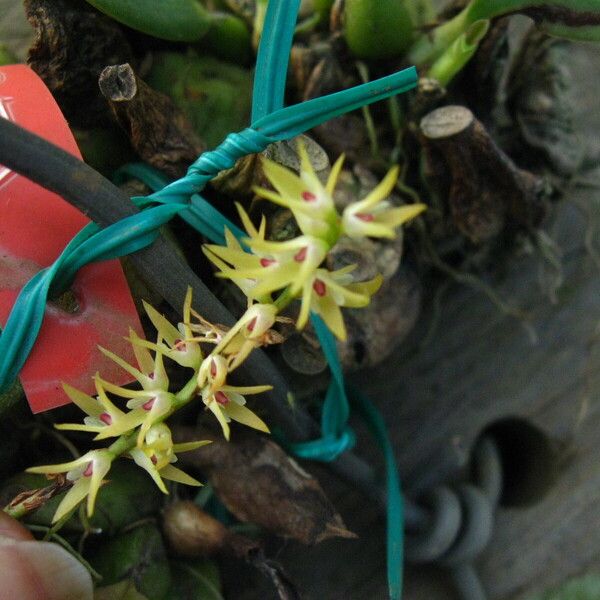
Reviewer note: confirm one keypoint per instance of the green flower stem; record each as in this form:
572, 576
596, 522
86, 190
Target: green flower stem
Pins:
574, 19
283, 300
449, 64
174, 20
366, 111
124, 444
187, 392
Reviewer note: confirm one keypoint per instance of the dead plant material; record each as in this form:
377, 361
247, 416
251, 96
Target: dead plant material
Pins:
487, 190
259, 483
159, 132
74, 42
30, 500
191, 532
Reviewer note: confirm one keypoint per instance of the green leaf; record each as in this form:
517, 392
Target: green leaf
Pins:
138, 555
377, 29
459, 53
572, 19
216, 96
175, 20
125, 590
195, 580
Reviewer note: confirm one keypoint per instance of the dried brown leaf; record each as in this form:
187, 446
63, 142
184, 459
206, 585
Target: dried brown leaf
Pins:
259, 483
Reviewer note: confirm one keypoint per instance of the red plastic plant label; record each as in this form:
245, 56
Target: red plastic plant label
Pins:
35, 226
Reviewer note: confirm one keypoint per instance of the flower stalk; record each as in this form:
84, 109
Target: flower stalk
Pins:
138, 429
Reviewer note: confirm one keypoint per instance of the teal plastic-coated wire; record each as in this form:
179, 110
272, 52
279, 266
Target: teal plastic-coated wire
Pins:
273, 57
271, 123
336, 435
394, 502
279, 125
206, 218
91, 244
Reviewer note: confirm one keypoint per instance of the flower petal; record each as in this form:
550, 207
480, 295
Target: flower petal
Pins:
334, 174
101, 466
86, 403
174, 474
248, 390
128, 422
189, 446
62, 467
137, 374
79, 427
330, 312
244, 415
218, 412
73, 497
286, 182
305, 305
142, 460
380, 192
166, 329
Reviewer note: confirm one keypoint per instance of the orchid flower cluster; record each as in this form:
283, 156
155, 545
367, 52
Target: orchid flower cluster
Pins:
139, 431
294, 269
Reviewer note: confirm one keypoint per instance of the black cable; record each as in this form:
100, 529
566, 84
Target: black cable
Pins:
83, 187
103, 202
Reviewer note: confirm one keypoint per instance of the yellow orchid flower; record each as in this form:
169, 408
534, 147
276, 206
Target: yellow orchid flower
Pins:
310, 201
158, 453
178, 346
328, 290
213, 371
233, 254
251, 331
374, 216
148, 406
87, 473
228, 404
151, 374
271, 266
205, 331
101, 413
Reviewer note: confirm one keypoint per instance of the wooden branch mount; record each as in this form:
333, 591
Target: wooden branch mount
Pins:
487, 190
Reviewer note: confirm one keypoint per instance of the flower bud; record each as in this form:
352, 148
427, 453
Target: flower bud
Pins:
259, 319
213, 370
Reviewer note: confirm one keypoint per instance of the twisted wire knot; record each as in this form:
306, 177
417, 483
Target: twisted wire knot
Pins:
461, 521
327, 448
233, 147
211, 163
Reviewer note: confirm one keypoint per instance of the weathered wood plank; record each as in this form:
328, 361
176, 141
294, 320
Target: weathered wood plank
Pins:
480, 367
